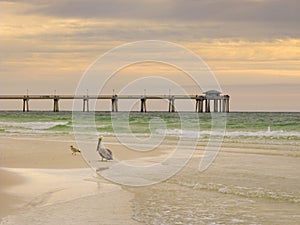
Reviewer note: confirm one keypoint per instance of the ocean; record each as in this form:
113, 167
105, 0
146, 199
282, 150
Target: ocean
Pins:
255, 178
241, 127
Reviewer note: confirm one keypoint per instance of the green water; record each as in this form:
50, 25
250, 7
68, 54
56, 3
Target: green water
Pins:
279, 126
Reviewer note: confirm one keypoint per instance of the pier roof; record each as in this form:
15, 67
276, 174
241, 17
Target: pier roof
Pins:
212, 92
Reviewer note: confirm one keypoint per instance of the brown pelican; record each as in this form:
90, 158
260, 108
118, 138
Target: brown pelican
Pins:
105, 153
74, 150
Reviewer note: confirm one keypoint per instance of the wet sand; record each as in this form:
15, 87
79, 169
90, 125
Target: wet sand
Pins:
8, 202
43, 183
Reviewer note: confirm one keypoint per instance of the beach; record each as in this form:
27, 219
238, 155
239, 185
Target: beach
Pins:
43, 183
239, 188
253, 180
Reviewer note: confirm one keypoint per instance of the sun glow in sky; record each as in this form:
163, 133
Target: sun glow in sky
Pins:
252, 46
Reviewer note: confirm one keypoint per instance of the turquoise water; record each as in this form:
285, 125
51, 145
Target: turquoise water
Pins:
240, 127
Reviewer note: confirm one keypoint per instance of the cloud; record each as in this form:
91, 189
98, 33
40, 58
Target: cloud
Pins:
167, 19
212, 10
46, 44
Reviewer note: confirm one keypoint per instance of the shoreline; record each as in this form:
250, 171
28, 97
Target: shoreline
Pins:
65, 194
46, 184
40, 176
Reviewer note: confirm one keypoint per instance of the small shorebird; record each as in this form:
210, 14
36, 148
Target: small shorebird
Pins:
74, 150
105, 153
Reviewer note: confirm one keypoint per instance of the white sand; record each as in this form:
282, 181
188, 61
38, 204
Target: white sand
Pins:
43, 183
68, 196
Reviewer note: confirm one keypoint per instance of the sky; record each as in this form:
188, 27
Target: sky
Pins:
251, 46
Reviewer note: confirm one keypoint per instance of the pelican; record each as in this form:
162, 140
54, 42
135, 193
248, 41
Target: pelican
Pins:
74, 150
105, 153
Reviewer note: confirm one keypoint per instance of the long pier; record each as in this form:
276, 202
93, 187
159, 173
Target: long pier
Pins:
202, 102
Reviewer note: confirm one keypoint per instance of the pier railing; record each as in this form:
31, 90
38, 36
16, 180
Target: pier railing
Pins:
203, 102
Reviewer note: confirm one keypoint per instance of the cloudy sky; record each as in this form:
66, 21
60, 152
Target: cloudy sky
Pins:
252, 46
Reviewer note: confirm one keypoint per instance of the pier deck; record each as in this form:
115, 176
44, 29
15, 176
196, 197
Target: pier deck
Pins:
221, 102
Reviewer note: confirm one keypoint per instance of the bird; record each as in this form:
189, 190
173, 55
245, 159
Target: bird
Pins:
74, 150
105, 153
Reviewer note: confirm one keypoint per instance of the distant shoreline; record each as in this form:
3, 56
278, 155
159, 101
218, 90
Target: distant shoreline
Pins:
149, 112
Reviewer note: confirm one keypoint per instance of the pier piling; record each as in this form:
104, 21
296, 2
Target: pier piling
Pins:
172, 104
26, 104
55, 106
114, 103
199, 104
143, 105
86, 104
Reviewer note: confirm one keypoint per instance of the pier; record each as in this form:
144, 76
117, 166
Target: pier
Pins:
203, 101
